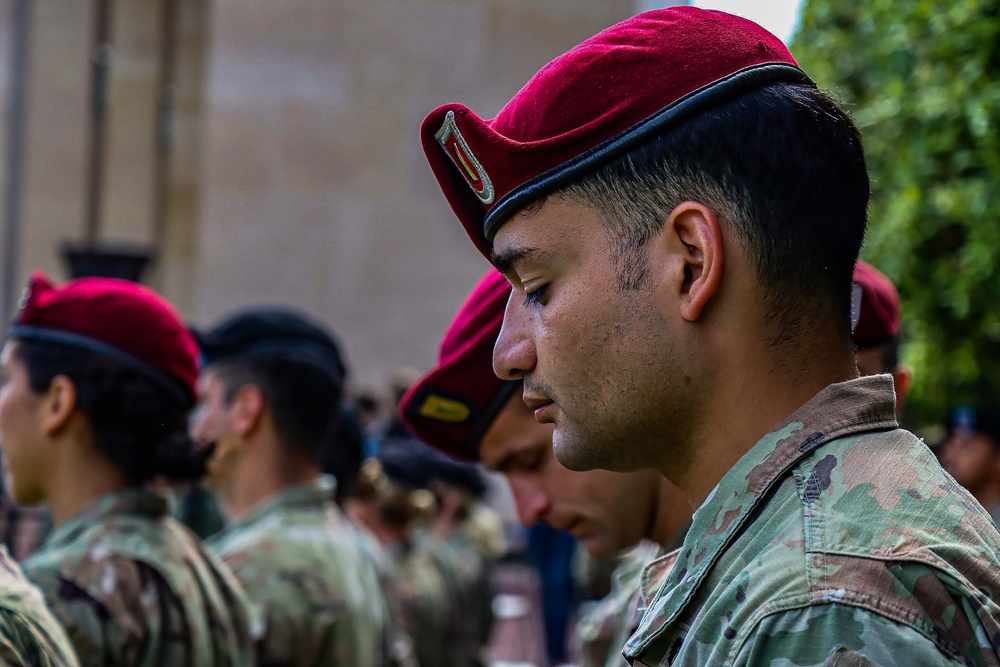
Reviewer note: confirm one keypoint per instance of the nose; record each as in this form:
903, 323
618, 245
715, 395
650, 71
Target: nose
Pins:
531, 501
196, 422
514, 353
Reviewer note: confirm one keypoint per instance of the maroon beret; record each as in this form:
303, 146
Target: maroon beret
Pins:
452, 406
120, 319
874, 306
590, 105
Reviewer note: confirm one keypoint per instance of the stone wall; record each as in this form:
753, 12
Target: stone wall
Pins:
296, 170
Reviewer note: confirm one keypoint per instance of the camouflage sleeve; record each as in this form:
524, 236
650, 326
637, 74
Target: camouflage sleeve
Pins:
112, 609
23, 644
291, 628
841, 635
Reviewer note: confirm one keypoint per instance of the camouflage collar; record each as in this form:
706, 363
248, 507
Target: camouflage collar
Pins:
317, 493
855, 406
136, 502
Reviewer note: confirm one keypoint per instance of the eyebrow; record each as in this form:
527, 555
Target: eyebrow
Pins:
508, 259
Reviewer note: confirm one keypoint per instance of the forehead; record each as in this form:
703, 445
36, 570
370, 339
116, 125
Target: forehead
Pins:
560, 227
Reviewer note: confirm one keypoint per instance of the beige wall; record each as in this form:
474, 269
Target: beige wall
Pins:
297, 175
316, 192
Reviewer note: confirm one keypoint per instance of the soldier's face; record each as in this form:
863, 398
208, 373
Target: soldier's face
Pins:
211, 421
972, 458
597, 357
25, 458
606, 511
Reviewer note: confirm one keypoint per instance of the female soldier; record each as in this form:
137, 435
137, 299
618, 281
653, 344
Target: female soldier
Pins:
99, 377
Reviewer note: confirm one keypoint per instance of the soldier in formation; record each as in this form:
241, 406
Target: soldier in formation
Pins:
269, 394
100, 380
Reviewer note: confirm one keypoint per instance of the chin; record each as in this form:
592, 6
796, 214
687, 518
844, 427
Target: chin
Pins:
573, 454
23, 496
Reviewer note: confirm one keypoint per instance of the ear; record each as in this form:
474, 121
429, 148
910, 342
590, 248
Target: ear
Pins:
692, 239
59, 405
246, 410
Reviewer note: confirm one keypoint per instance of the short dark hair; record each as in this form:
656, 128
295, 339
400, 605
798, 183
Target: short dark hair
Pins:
890, 355
304, 397
783, 165
135, 421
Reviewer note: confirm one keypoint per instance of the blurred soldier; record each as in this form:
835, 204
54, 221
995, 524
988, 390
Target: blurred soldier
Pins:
269, 393
342, 458
463, 409
972, 453
679, 211
390, 500
457, 536
875, 322
100, 380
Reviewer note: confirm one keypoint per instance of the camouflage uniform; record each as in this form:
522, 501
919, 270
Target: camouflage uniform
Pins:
837, 539
599, 633
425, 600
397, 645
303, 565
29, 635
133, 587
466, 572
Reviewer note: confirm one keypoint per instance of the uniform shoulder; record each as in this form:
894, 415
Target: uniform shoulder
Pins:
814, 634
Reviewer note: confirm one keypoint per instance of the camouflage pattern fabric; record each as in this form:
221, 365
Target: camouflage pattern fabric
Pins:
600, 633
29, 635
397, 645
425, 601
466, 573
837, 539
304, 568
133, 587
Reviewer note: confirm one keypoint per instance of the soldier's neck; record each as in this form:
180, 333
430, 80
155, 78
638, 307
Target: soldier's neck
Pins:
752, 395
81, 477
671, 512
262, 475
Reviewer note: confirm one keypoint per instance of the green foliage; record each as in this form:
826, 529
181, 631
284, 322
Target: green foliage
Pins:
922, 80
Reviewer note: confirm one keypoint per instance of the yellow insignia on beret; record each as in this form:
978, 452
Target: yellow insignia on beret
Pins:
444, 409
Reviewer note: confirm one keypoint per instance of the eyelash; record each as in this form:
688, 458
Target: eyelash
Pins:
535, 296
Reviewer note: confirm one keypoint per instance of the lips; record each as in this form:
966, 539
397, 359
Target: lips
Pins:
541, 406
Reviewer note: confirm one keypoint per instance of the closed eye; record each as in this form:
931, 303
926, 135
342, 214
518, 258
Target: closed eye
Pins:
535, 296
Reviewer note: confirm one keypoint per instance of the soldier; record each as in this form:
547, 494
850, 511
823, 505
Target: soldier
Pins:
101, 377
679, 211
875, 322
269, 396
971, 453
463, 409
460, 545
389, 499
